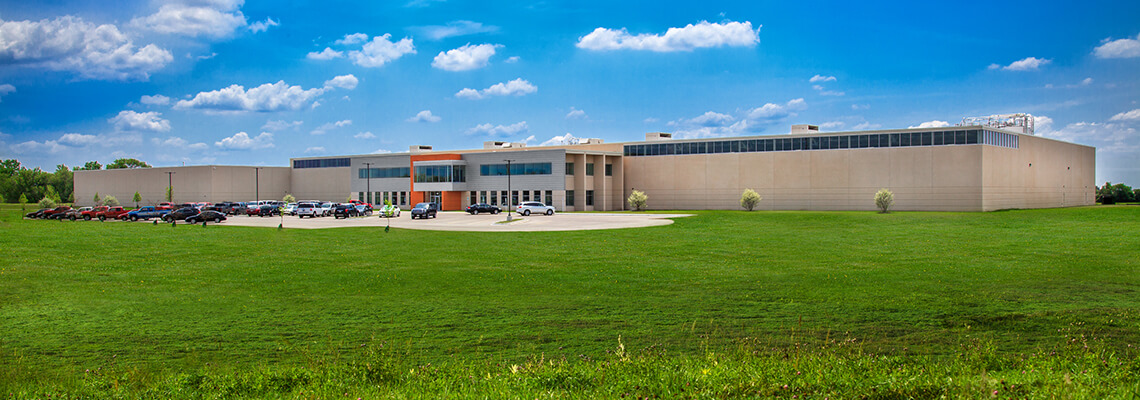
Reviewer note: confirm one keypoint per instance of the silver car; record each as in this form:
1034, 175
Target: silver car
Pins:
309, 209
528, 207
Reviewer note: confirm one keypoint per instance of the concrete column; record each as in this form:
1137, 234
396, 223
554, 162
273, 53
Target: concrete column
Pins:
579, 182
601, 195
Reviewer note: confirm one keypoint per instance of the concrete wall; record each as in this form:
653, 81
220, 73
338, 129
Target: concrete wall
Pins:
208, 183
325, 184
1041, 173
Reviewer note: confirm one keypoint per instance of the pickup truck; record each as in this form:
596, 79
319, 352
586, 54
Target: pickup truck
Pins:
146, 213
90, 212
115, 212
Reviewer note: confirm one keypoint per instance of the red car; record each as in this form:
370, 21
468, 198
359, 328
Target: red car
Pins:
55, 212
92, 213
115, 212
165, 206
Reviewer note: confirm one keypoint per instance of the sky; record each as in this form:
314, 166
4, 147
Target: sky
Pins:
232, 82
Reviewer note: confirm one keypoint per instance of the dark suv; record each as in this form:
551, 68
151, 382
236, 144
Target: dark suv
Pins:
345, 210
425, 210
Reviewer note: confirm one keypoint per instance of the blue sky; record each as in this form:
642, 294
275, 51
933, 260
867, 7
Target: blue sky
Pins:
233, 82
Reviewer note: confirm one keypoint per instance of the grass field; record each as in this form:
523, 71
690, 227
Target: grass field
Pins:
726, 304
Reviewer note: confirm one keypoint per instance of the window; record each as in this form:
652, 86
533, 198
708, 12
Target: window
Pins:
397, 172
403, 200
589, 197
570, 198
514, 197
609, 170
526, 195
549, 197
570, 168
589, 168
360, 196
322, 163
516, 169
441, 173
473, 197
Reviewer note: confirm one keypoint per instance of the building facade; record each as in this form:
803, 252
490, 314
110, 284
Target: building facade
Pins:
965, 168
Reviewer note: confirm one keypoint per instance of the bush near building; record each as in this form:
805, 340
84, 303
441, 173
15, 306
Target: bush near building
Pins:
637, 200
884, 199
750, 199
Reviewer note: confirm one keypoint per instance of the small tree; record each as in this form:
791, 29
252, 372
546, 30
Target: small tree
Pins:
884, 199
289, 199
49, 192
47, 202
23, 199
637, 200
137, 199
98, 200
170, 194
749, 199
110, 201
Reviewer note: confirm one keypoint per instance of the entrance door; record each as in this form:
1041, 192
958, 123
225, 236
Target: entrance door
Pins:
436, 197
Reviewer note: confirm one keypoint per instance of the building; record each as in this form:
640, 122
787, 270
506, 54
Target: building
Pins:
961, 168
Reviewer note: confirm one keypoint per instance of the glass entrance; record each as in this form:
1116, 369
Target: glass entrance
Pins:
435, 197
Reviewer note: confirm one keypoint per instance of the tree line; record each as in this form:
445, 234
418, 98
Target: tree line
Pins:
1118, 193
20, 184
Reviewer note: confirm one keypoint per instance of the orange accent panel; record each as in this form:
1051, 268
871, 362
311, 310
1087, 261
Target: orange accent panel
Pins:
452, 201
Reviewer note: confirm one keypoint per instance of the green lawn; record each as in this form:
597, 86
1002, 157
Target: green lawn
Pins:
153, 301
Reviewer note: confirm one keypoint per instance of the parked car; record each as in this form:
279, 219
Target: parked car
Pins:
74, 214
389, 211
364, 209
291, 209
425, 210
115, 212
56, 213
237, 208
92, 212
528, 207
36, 214
208, 215
345, 210
327, 208
482, 208
180, 214
266, 210
309, 209
146, 213
165, 206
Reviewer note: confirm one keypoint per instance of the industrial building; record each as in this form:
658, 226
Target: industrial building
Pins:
985, 164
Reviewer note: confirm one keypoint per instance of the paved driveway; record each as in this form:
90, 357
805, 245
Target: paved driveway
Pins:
461, 221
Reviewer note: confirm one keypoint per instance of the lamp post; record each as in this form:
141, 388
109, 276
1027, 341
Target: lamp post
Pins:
256, 184
170, 185
510, 194
368, 171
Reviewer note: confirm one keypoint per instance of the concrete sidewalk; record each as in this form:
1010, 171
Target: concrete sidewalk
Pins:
461, 221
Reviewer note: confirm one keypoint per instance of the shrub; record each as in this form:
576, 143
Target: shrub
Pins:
137, 199
884, 199
750, 199
98, 200
637, 200
289, 199
110, 201
47, 202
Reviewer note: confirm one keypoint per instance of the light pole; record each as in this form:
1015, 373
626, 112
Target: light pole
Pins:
510, 194
256, 184
368, 171
170, 185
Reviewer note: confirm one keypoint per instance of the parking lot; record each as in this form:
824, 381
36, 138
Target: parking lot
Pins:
461, 221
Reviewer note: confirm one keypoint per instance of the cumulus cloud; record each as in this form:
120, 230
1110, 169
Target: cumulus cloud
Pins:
714, 124
772, 111
214, 19
1120, 48
156, 100
343, 81
70, 44
1133, 115
1107, 137
262, 26
820, 78
380, 51
323, 129
128, 120
74, 140
562, 140
576, 114
931, 124
326, 54
499, 130
364, 135
517, 87
1026, 64
512, 59
268, 97
179, 144
242, 141
465, 58
6, 88
317, 149
352, 38
424, 116
280, 125
688, 38
453, 29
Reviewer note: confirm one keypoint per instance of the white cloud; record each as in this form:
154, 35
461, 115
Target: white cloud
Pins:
380, 51
714, 124
821, 78
317, 149
563, 140
352, 38
1120, 48
326, 54
364, 135
128, 120
517, 87
262, 26
74, 140
1041, 124
832, 125
865, 126
453, 29
860, 106
649, 120
205, 57
422, 3
711, 118
78, 140
1107, 137
576, 114
1133, 115
215, 19
343, 81
424, 116
465, 58
178, 143
688, 38
242, 141
771, 111
512, 60
1086, 81
6, 88
931, 124
156, 100
323, 129
381, 151
265, 98
280, 124
499, 130
69, 44
1026, 64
